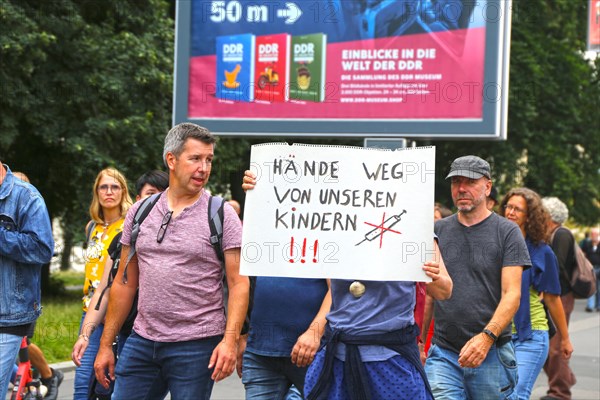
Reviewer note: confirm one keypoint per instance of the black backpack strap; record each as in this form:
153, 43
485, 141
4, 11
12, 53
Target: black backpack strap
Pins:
216, 217
215, 221
88, 233
114, 251
139, 217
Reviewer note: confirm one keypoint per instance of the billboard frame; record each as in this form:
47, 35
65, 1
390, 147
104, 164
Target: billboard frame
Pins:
493, 125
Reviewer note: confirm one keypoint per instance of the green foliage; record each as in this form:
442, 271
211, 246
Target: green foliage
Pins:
553, 125
86, 85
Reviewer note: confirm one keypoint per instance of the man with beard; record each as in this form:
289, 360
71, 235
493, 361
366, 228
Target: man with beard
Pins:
472, 355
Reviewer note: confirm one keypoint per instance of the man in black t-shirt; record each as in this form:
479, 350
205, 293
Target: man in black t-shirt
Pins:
472, 352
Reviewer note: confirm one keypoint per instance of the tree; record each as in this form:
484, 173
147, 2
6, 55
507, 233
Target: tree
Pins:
86, 85
553, 124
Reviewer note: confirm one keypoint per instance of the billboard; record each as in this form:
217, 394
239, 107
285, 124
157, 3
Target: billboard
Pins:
344, 68
594, 26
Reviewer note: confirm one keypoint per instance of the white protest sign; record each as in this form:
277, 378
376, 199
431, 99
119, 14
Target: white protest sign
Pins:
339, 212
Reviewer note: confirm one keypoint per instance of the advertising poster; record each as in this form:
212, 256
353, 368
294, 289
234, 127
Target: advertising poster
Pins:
342, 61
339, 212
594, 26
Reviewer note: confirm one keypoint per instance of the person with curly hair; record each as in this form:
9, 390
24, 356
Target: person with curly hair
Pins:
540, 288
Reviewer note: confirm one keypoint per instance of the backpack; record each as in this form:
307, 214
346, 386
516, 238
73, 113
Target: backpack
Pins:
583, 279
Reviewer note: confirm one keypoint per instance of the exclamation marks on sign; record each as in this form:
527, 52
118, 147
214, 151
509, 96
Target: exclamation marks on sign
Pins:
303, 250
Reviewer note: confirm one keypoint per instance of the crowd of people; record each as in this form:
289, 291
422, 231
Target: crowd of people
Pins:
175, 312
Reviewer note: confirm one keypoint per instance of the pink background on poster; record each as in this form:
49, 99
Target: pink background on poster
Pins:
594, 24
458, 95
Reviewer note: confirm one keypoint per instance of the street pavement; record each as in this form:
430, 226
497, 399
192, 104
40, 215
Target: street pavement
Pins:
585, 362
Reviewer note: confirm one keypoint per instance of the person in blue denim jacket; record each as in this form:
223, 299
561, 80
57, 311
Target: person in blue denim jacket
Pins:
25, 245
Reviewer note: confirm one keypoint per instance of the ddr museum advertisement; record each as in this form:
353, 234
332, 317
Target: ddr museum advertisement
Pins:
348, 67
339, 212
594, 26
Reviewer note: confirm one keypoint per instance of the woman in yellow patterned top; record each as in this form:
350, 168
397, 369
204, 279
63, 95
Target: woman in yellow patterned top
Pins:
109, 206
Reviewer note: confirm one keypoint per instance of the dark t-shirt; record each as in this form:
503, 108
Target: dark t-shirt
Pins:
283, 310
592, 253
20, 330
563, 244
474, 257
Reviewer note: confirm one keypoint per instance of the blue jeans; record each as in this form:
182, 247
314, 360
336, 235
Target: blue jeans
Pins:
531, 356
594, 300
148, 369
294, 394
267, 377
84, 372
121, 339
494, 379
9, 348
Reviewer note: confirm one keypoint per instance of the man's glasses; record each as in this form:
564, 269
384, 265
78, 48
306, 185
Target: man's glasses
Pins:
163, 227
510, 207
113, 188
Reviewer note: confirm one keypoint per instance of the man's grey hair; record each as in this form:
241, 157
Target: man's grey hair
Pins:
177, 136
557, 209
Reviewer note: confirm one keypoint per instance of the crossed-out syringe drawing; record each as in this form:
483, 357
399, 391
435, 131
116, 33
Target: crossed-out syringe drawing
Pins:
379, 230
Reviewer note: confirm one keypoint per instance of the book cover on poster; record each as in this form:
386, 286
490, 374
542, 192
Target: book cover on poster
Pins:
235, 67
307, 69
272, 68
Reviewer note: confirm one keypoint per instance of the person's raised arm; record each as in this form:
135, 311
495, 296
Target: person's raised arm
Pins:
93, 317
119, 305
475, 350
308, 343
440, 287
224, 356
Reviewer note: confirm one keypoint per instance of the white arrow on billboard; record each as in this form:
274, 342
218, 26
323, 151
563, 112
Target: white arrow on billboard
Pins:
292, 13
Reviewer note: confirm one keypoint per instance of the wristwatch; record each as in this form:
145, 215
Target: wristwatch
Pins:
491, 334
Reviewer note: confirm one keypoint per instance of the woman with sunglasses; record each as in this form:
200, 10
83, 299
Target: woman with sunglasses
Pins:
540, 286
110, 203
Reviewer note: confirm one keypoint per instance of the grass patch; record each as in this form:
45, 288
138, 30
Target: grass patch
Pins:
69, 278
58, 326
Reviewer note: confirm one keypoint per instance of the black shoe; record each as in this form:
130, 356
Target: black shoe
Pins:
53, 383
549, 398
587, 309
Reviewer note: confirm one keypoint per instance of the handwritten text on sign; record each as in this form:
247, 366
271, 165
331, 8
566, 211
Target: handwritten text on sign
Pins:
339, 212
